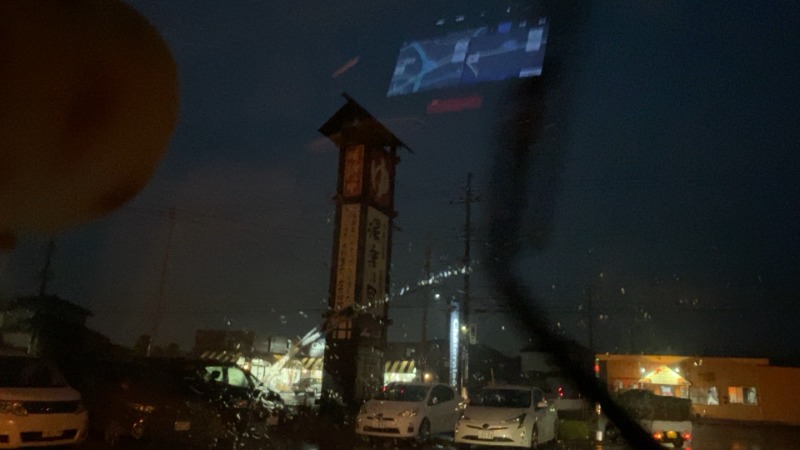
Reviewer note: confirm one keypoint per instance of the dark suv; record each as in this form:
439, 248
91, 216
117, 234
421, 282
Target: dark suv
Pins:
198, 403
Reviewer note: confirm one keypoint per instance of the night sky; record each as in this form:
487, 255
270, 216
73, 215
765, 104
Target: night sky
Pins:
665, 185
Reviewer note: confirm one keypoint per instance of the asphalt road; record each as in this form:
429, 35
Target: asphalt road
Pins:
313, 435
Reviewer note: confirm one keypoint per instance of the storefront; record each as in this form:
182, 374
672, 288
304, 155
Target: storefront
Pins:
666, 381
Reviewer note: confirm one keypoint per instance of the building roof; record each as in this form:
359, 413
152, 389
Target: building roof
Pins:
353, 118
50, 304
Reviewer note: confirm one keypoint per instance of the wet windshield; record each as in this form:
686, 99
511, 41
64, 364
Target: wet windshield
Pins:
588, 198
25, 372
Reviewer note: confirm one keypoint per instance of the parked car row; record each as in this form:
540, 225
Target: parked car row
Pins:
508, 416
189, 402
201, 403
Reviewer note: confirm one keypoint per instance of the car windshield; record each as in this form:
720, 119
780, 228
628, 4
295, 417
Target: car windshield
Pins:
157, 378
403, 393
25, 372
583, 197
502, 398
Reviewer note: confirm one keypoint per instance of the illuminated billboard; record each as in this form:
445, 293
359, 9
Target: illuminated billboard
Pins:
510, 49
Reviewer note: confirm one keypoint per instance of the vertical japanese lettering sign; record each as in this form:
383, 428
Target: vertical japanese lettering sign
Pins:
376, 246
346, 264
353, 171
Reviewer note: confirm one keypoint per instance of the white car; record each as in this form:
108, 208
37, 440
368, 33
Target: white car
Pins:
508, 416
412, 411
37, 406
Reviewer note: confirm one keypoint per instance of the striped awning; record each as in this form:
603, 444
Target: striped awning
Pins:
222, 355
400, 366
311, 363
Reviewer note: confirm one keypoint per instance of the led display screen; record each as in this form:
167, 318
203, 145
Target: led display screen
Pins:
510, 49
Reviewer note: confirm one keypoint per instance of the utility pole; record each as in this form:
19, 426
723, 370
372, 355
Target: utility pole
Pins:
590, 290
162, 281
467, 238
423, 351
465, 303
45, 274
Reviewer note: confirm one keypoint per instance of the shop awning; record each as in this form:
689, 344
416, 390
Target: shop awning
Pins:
664, 375
222, 355
399, 366
311, 363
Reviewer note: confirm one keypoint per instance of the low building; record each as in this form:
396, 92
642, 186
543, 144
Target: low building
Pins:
738, 389
36, 323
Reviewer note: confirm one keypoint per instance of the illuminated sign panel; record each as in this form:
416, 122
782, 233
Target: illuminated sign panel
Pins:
376, 258
454, 346
346, 261
380, 179
353, 170
512, 49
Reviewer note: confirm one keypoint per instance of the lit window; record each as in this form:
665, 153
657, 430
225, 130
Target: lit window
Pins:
735, 394
713, 399
744, 395
750, 397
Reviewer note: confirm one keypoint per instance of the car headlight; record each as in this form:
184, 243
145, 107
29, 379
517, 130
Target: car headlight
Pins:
10, 407
240, 403
142, 408
411, 412
519, 420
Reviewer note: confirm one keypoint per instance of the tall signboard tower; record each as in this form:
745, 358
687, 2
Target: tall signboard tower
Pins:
361, 252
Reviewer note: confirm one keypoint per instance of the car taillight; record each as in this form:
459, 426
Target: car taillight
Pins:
687, 436
658, 435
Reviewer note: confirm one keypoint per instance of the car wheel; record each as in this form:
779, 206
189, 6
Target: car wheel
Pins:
424, 432
137, 430
557, 431
535, 437
611, 434
112, 432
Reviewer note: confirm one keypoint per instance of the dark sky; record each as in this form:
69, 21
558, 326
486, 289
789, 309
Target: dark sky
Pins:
667, 178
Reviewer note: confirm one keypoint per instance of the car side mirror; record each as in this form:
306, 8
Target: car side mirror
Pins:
434, 400
541, 404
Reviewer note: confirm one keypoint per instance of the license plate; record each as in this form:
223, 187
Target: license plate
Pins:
51, 433
183, 425
485, 434
671, 435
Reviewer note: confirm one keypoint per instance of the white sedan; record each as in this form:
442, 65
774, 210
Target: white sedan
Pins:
412, 411
508, 416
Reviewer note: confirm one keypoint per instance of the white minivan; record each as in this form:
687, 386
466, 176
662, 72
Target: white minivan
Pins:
37, 406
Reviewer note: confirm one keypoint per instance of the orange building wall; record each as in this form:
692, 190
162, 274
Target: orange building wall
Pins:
777, 388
